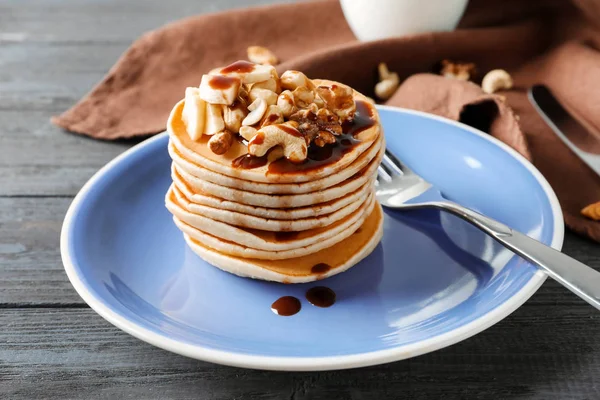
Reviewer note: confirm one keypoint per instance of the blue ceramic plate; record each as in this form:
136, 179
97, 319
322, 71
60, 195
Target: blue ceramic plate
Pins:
432, 281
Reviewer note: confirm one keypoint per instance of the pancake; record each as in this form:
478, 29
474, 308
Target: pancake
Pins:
234, 249
274, 218
199, 153
265, 224
264, 240
274, 188
314, 210
340, 256
282, 201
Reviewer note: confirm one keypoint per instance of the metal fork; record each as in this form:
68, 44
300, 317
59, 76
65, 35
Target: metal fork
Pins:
399, 187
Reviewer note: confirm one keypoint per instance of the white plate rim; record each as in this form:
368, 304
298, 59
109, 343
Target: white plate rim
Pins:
313, 363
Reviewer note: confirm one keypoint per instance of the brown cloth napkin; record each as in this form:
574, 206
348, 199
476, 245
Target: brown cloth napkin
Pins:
543, 41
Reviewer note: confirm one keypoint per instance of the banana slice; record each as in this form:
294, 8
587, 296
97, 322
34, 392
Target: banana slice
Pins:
219, 89
248, 72
194, 113
214, 119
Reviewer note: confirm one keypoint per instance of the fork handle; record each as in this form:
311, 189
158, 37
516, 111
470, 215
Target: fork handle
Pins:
582, 280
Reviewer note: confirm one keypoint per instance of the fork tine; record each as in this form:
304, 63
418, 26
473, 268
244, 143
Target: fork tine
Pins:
383, 175
391, 166
390, 158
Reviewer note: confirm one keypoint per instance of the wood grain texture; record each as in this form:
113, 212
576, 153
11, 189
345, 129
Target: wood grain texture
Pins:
36, 158
543, 352
52, 346
30, 263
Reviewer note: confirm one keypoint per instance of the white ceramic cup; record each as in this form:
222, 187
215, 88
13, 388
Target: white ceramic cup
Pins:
380, 19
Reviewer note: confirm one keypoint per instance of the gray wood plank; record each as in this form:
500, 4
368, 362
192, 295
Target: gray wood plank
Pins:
52, 76
543, 352
36, 158
31, 270
98, 20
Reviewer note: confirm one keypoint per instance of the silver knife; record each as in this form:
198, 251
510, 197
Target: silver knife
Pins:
562, 123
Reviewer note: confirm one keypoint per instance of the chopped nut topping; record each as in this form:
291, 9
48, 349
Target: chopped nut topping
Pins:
303, 96
323, 138
339, 99
247, 99
318, 127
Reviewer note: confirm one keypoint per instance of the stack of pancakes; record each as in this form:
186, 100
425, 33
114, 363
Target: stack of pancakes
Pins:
279, 221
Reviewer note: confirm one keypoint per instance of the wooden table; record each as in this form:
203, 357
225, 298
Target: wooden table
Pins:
53, 346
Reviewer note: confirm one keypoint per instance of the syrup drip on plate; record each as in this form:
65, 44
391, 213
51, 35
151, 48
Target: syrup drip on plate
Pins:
321, 296
286, 306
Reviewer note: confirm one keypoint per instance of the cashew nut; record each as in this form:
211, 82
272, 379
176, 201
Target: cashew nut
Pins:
293, 79
387, 87
303, 96
457, 70
272, 116
285, 102
214, 119
257, 110
247, 132
219, 89
275, 153
194, 113
234, 115
388, 82
267, 95
383, 70
293, 143
220, 142
495, 80
262, 55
